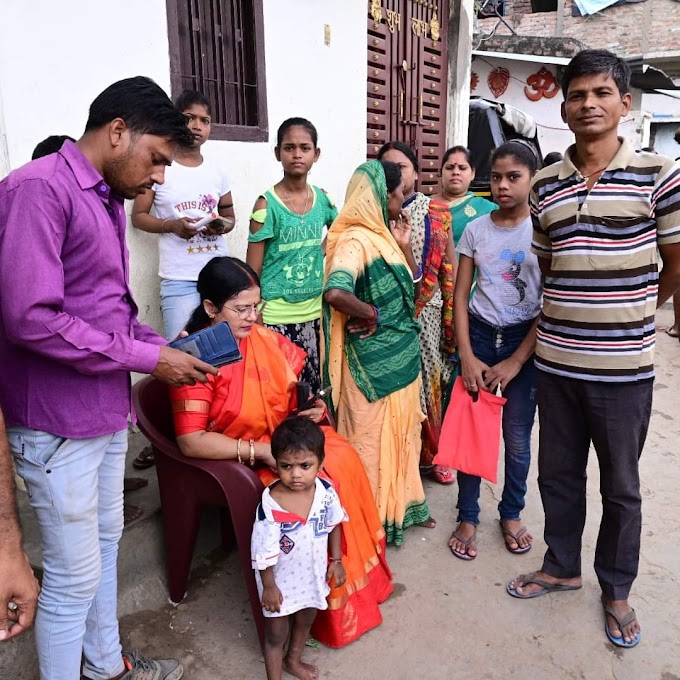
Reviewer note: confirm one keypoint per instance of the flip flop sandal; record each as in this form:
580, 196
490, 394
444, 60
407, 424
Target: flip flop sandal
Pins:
443, 475
131, 513
134, 484
672, 333
620, 622
466, 543
145, 459
515, 537
526, 579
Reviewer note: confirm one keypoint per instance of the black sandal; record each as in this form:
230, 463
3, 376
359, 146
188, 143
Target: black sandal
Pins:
145, 459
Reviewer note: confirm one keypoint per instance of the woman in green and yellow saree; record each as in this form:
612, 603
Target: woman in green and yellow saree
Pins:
370, 340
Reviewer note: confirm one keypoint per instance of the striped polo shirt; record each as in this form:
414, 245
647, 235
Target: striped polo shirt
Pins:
599, 298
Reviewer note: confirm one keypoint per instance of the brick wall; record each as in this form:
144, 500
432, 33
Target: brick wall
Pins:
620, 29
517, 7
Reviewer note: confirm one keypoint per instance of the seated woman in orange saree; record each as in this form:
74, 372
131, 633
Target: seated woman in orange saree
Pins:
233, 415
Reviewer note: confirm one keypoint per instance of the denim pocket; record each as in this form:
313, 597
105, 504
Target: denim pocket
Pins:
17, 446
43, 448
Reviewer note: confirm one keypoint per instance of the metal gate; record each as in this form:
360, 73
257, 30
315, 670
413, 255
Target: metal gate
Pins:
407, 80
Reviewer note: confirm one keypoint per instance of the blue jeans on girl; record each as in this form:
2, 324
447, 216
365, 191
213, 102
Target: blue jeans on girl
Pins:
178, 301
492, 345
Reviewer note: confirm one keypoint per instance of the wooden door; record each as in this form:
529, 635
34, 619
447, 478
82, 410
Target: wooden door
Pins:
407, 80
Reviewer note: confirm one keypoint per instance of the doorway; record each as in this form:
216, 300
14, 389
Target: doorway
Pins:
407, 80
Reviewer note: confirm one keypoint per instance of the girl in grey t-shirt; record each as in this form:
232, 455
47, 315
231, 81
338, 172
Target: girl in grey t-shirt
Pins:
496, 330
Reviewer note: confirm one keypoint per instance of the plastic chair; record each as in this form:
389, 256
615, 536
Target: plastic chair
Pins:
186, 484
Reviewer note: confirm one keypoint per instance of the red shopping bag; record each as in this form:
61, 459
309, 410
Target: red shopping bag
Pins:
471, 433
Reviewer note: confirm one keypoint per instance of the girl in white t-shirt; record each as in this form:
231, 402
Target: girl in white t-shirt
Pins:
297, 525
194, 189
496, 333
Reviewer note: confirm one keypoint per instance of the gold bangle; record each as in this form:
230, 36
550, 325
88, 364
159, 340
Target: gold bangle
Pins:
238, 450
252, 453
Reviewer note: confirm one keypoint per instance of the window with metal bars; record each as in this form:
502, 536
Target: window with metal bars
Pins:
217, 48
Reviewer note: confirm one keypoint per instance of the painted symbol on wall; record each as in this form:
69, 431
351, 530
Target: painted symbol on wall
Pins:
474, 81
498, 81
541, 84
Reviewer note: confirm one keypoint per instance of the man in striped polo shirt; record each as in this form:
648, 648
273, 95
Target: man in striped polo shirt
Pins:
602, 217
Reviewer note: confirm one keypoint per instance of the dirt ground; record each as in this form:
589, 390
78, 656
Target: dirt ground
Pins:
452, 619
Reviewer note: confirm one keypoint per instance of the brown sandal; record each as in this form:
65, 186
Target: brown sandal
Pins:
515, 537
464, 556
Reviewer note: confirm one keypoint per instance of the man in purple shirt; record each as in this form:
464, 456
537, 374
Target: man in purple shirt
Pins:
69, 337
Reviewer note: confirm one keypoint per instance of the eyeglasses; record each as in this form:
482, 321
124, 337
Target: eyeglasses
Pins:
245, 312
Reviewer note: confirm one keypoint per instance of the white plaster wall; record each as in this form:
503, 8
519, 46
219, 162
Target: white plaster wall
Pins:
662, 104
55, 57
553, 134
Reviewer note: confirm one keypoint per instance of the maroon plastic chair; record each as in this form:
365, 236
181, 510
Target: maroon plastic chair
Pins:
186, 484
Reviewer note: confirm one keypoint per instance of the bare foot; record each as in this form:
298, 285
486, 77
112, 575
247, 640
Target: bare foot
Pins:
463, 540
304, 671
513, 536
622, 609
531, 588
429, 523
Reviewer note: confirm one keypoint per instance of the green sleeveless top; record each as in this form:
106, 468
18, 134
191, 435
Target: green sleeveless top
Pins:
292, 270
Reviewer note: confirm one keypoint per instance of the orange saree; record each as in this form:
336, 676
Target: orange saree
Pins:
248, 400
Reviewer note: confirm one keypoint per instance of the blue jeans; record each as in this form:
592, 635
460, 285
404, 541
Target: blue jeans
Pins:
178, 301
75, 487
492, 345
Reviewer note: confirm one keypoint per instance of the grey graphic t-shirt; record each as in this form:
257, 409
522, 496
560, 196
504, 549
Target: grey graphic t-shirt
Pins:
508, 289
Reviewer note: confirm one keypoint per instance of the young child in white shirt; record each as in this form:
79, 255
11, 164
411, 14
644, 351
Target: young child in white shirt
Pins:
297, 525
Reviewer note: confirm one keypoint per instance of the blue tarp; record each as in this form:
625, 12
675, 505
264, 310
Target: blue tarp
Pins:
585, 7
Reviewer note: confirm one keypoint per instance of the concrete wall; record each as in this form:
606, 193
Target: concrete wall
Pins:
55, 57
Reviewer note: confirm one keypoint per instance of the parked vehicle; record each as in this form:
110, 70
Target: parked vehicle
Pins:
493, 123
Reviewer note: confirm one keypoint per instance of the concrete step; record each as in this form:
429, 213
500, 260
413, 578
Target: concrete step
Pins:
141, 561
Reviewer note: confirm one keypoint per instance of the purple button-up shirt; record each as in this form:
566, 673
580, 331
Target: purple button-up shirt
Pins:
69, 334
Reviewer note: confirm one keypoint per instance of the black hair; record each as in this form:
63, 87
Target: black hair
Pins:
595, 62
552, 157
144, 107
296, 122
297, 433
522, 153
51, 144
189, 98
392, 175
222, 279
459, 149
403, 148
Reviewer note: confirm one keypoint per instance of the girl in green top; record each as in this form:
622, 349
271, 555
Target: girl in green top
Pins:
285, 245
